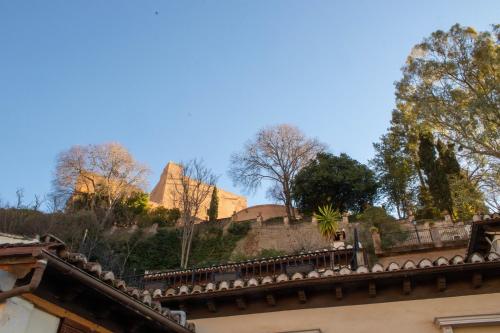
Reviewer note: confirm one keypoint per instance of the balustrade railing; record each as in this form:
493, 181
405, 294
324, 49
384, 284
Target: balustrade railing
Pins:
426, 236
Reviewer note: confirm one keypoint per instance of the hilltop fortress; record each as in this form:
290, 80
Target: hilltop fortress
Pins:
163, 195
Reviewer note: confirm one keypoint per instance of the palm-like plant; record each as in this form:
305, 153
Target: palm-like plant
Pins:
328, 221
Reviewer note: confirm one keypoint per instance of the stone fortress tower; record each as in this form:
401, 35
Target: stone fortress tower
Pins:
163, 195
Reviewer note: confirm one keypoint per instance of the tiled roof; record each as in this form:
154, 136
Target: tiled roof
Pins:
249, 262
80, 262
361, 271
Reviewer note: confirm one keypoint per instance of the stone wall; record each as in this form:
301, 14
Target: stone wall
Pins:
264, 211
291, 238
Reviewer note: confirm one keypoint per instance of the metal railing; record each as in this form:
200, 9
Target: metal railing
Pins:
454, 233
259, 268
425, 236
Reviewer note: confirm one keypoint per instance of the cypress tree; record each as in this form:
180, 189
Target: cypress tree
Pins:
435, 170
214, 207
447, 159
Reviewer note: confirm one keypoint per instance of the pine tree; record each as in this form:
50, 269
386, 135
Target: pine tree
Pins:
214, 206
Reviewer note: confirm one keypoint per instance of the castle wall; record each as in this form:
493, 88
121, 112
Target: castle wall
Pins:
266, 211
164, 194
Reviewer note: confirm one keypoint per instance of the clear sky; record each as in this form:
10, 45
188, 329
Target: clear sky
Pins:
174, 80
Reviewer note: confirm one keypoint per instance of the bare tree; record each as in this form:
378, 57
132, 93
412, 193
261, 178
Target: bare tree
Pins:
37, 202
192, 187
19, 198
277, 154
54, 203
103, 174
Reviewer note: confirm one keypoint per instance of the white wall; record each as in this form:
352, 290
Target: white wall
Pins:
20, 316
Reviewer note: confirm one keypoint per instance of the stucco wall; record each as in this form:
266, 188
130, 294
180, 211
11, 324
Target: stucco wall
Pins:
415, 316
20, 316
485, 329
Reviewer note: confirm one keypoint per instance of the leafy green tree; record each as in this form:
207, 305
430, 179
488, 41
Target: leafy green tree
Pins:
450, 82
450, 89
213, 209
339, 181
467, 199
162, 216
138, 203
395, 173
131, 209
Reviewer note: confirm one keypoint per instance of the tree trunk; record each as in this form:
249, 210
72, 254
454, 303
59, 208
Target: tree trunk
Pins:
184, 240
420, 176
188, 245
288, 203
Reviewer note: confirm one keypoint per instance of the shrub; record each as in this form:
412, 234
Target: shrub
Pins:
377, 219
328, 221
266, 253
158, 252
239, 228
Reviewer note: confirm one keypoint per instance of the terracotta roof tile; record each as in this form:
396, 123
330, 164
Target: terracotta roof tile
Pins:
377, 268
95, 269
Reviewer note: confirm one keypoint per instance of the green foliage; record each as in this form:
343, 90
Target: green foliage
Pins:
130, 208
213, 247
395, 172
450, 83
449, 91
138, 203
447, 158
467, 199
124, 252
161, 251
339, 181
214, 206
162, 216
158, 252
328, 221
209, 251
448, 188
267, 253
435, 172
377, 219
426, 208
239, 229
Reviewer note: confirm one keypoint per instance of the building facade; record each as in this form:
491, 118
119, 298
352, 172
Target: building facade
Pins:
336, 290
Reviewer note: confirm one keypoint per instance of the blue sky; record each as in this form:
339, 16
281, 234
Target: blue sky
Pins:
174, 80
